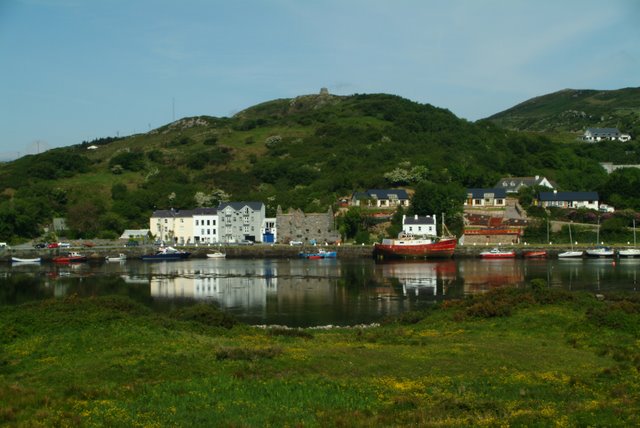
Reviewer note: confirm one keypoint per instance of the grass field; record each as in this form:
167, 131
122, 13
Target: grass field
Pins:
535, 357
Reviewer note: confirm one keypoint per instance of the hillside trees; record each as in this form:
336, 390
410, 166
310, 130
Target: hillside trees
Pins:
430, 198
622, 188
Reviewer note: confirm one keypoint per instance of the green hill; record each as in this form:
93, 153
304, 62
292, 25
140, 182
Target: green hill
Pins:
304, 152
573, 110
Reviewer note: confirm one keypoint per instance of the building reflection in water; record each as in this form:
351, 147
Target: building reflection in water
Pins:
231, 285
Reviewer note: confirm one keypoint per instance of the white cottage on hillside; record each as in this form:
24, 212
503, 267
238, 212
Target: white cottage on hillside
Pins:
419, 225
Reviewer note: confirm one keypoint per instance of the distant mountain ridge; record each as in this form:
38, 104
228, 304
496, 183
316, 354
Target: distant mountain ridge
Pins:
573, 110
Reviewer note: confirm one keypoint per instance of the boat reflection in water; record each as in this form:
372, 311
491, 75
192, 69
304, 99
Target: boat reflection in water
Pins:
484, 275
420, 278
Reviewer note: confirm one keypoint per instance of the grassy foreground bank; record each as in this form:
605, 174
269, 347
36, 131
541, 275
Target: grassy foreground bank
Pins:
534, 357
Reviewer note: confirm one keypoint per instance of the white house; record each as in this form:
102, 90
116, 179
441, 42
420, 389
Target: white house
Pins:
593, 135
205, 225
381, 198
569, 199
514, 184
419, 225
486, 198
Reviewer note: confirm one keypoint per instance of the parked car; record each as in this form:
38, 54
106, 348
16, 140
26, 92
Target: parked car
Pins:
64, 245
245, 242
295, 242
53, 245
40, 245
132, 244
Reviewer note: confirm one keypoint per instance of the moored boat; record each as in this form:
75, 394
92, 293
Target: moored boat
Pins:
71, 257
600, 251
216, 255
631, 252
534, 254
496, 253
322, 254
571, 254
166, 253
418, 240
119, 258
21, 260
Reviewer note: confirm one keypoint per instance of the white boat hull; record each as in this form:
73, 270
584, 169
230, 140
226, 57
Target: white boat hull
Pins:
600, 252
629, 252
570, 255
216, 255
19, 260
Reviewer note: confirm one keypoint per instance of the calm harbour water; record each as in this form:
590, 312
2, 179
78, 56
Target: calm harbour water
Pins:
300, 292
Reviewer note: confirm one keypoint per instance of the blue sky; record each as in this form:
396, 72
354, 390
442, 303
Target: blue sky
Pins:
74, 70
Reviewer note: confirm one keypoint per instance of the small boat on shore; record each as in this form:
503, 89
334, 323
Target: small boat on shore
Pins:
71, 257
216, 255
21, 260
534, 254
166, 253
322, 254
119, 258
571, 255
496, 253
600, 251
631, 252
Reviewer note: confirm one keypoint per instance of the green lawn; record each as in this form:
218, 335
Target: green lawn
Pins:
511, 357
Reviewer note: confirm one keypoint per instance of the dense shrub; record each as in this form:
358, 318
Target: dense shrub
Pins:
205, 314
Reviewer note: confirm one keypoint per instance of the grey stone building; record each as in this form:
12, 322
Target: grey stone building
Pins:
240, 221
295, 225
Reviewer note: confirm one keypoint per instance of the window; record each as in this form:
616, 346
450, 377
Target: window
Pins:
214, 222
208, 222
196, 222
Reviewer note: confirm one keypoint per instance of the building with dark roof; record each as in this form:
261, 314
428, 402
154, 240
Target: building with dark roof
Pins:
381, 198
514, 184
419, 225
594, 135
568, 200
241, 221
486, 198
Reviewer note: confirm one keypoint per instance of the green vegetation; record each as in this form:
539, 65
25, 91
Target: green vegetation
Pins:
521, 357
302, 153
574, 110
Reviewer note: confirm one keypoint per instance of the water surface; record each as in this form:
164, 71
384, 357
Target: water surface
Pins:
300, 292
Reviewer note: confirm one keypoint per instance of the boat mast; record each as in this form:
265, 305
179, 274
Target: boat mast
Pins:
570, 239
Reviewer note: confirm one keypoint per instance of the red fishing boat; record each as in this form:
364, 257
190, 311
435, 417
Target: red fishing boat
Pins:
423, 245
496, 253
409, 247
71, 257
534, 254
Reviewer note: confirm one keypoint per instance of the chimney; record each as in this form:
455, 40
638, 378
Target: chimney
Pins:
415, 217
